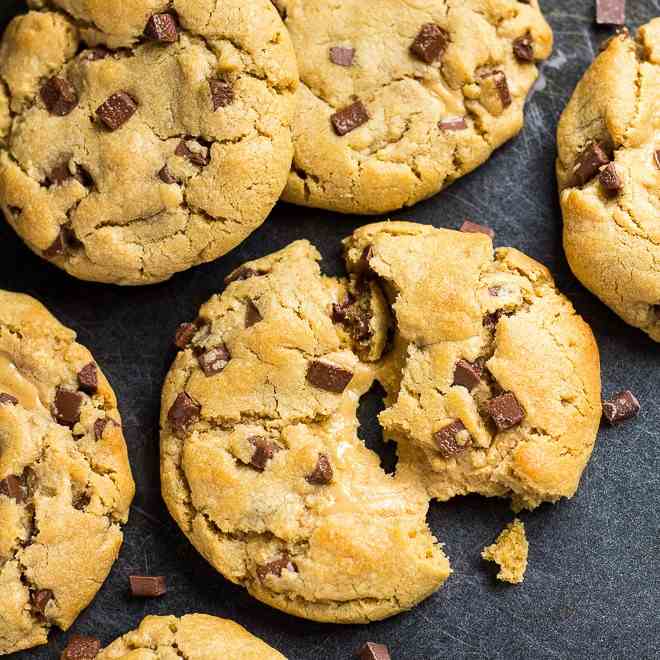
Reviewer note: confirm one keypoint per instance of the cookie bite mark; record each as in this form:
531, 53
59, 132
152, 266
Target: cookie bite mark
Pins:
349, 118
117, 110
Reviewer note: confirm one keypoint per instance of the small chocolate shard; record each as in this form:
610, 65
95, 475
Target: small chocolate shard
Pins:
656, 158
195, 152
452, 440
276, 567
589, 162
8, 399
453, 124
621, 407
328, 376
342, 56
99, 428
222, 93
323, 473
147, 586
184, 412
163, 28
59, 96
505, 411
184, 335
467, 374
355, 318
12, 487
264, 450
610, 180
430, 44
244, 273
610, 12
40, 600
252, 314
214, 360
373, 651
117, 110
88, 379
81, 647
469, 227
166, 176
348, 119
523, 48
67, 406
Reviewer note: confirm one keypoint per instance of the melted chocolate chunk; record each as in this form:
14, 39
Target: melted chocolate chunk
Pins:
81, 648
502, 87
166, 176
453, 439
469, 227
523, 48
252, 314
264, 450
40, 600
505, 411
610, 12
328, 377
342, 55
12, 487
59, 96
184, 412
373, 651
276, 567
67, 406
8, 399
88, 379
610, 180
147, 586
214, 360
589, 162
99, 428
117, 110
621, 407
322, 473
222, 93
431, 43
453, 124
348, 119
163, 28
196, 153
244, 273
467, 374
184, 335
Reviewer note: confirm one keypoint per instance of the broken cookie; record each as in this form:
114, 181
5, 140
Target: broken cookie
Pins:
510, 552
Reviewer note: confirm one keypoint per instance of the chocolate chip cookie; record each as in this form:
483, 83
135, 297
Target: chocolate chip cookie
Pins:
65, 482
398, 102
609, 176
140, 138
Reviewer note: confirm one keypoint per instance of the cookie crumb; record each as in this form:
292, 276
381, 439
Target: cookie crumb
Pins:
510, 552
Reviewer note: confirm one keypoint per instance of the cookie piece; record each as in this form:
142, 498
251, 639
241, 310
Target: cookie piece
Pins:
510, 552
65, 481
144, 137
609, 176
261, 464
396, 104
494, 381
194, 636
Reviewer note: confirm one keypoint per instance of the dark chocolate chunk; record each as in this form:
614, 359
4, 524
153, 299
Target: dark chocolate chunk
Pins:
222, 93
322, 473
214, 360
184, 412
373, 651
328, 377
81, 648
264, 450
67, 406
147, 586
452, 439
184, 335
244, 273
59, 174
467, 374
163, 28
656, 158
8, 399
523, 48
12, 487
88, 379
40, 600
252, 314
99, 428
355, 318
200, 157
342, 55
166, 176
589, 162
56, 248
502, 86
276, 567
348, 119
453, 124
505, 411
117, 110
610, 180
431, 43
59, 96
621, 407
469, 227
610, 12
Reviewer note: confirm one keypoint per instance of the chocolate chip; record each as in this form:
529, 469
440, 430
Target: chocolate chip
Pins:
222, 93
342, 55
81, 648
166, 176
195, 152
656, 158
469, 227
355, 318
184, 412
12, 487
244, 273
347, 120
276, 567
453, 124
88, 379
373, 651
99, 428
467, 374
163, 28
505, 411
59, 96
452, 439
502, 87
214, 360
59, 174
147, 586
610, 12
523, 48
589, 162
431, 43
117, 110
40, 600
328, 376
264, 450
621, 407
252, 314
67, 406
322, 473
184, 335
8, 399
610, 180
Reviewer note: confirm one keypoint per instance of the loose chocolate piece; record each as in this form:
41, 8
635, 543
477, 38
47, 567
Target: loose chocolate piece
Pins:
166, 176
88, 379
67, 406
11, 486
276, 567
184, 335
610, 12
505, 411
342, 55
147, 586
621, 407
523, 48
184, 412
117, 110
244, 273
347, 120
656, 158
373, 651
264, 450
163, 28
610, 180
81, 648
328, 377
431, 43
222, 93
214, 360
502, 86
323, 473
467, 374
589, 162
469, 227
40, 600
452, 439
454, 124
8, 399
252, 315
59, 96
99, 428
201, 157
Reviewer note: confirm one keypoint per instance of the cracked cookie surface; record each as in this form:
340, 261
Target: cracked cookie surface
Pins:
138, 139
609, 176
194, 637
65, 481
397, 103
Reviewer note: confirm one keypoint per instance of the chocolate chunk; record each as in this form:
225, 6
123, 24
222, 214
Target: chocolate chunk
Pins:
117, 110
453, 124
347, 120
99, 428
276, 567
355, 318
59, 96
502, 87
469, 227
184, 412
59, 174
589, 162
264, 450
523, 48
40, 600
67, 406
222, 93
56, 248
656, 159
184, 335
621, 407
244, 273
12, 487
373, 651
431, 43
452, 439
195, 152
8, 399
328, 376
610, 12
147, 586
610, 180
88, 379
214, 360
467, 374
81, 648
95, 54
505, 411
252, 314
323, 473
342, 56
163, 28
166, 176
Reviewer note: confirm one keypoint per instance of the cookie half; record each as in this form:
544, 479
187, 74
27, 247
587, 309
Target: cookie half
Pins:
138, 139
65, 481
609, 176
398, 102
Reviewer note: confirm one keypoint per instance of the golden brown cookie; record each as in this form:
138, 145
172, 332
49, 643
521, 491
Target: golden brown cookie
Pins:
510, 552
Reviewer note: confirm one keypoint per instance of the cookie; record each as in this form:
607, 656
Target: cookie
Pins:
261, 464
194, 636
397, 103
493, 380
510, 552
609, 176
138, 139
65, 481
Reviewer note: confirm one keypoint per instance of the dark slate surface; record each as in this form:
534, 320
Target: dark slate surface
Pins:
592, 588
